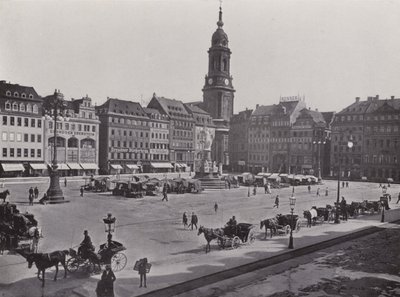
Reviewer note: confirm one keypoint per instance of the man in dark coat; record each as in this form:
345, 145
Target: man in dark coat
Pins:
142, 272
36, 192
343, 208
105, 287
86, 246
165, 195
194, 220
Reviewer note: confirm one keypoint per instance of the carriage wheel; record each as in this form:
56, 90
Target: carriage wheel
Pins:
287, 229
235, 242
251, 237
90, 267
72, 265
118, 262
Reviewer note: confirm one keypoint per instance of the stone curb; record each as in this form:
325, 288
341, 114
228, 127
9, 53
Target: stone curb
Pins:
246, 268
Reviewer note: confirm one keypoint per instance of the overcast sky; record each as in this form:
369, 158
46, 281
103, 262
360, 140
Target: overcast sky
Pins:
329, 51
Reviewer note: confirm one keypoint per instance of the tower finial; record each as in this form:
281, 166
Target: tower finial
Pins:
220, 23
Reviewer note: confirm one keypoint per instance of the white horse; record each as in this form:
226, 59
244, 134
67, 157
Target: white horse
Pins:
35, 233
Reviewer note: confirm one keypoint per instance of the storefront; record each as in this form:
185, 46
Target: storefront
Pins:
75, 169
12, 169
132, 168
161, 167
37, 169
89, 168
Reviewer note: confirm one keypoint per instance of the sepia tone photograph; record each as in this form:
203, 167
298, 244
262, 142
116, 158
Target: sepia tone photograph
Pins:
190, 148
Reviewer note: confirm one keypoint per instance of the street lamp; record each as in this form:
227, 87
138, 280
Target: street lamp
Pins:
383, 211
292, 202
349, 145
54, 193
318, 143
109, 224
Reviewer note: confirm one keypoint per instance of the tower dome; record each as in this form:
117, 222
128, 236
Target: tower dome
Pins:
219, 38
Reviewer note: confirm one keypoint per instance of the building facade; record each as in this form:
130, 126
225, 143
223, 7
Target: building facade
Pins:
77, 140
21, 131
124, 137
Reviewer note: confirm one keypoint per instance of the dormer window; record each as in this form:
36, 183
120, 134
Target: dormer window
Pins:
8, 105
23, 95
8, 93
30, 96
15, 106
16, 94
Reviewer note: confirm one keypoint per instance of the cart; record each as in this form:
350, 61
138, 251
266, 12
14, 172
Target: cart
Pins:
244, 233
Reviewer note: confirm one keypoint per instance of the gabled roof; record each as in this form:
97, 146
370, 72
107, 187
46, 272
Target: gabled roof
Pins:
265, 110
389, 105
328, 116
196, 109
171, 107
4, 87
358, 107
123, 107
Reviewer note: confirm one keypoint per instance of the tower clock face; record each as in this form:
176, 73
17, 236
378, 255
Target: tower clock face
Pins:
210, 81
226, 81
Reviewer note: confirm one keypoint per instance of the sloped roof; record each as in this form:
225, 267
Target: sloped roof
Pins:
123, 107
196, 109
149, 110
388, 105
328, 116
4, 87
171, 106
358, 107
265, 110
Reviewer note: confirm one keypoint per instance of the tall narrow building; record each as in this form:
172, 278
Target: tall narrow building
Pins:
218, 91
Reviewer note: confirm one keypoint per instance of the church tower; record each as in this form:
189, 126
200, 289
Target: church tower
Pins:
218, 90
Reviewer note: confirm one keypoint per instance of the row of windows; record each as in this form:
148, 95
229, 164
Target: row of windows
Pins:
159, 135
21, 107
12, 136
73, 127
21, 121
380, 159
139, 156
19, 153
131, 133
258, 157
368, 117
381, 143
382, 129
159, 145
16, 94
132, 144
182, 133
182, 144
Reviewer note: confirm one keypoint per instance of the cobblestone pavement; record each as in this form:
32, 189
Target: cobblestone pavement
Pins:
151, 228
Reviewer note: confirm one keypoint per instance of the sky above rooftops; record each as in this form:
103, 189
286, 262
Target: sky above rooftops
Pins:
329, 51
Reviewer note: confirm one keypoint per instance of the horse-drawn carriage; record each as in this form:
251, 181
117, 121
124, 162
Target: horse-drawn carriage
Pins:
229, 236
129, 189
108, 253
281, 224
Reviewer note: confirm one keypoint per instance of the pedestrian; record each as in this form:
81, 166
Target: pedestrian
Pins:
36, 192
380, 185
31, 199
343, 208
347, 184
185, 219
143, 266
65, 182
326, 191
2, 243
255, 189
105, 287
43, 199
388, 185
309, 189
35, 240
194, 220
398, 198
229, 185
265, 188
165, 194
215, 207
276, 201
81, 191
318, 192
31, 191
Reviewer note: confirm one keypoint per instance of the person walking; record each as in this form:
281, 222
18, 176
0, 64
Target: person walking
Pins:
229, 185
81, 191
165, 194
194, 220
276, 201
31, 199
398, 198
215, 207
343, 208
255, 189
31, 191
326, 191
342, 184
36, 192
142, 272
105, 287
347, 184
318, 192
65, 182
185, 220
309, 188
35, 240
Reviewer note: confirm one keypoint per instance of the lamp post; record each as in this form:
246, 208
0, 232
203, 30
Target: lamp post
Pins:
349, 145
383, 211
109, 224
318, 143
292, 202
54, 193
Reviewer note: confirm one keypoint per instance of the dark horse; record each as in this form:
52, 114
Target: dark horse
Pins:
210, 234
307, 215
44, 261
4, 194
270, 224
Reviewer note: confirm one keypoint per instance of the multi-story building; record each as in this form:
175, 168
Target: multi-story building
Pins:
77, 136
124, 137
204, 134
181, 131
159, 141
239, 140
21, 131
218, 91
373, 128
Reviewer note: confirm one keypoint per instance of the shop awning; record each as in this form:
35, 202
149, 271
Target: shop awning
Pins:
61, 166
74, 166
38, 166
90, 166
116, 166
181, 165
12, 167
162, 165
132, 166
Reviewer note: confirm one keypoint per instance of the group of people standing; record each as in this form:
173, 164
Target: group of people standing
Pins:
33, 194
193, 220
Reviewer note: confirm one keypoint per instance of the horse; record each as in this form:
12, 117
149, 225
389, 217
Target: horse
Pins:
4, 194
270, 224
307, 215
210, 234
44, 261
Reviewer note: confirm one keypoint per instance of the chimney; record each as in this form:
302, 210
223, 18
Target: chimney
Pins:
377, 97
391, 97
370, 98
357, 99
257, 105
316, 109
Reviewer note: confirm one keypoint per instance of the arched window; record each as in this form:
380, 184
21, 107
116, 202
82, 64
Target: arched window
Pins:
8, 105
60, 141
29, 108
15, 106
87, 143
16, 94
8, 93
23, 95
22, 107
73, 142
35, 109
225, 64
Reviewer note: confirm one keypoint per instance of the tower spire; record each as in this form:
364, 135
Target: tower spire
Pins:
220, 23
